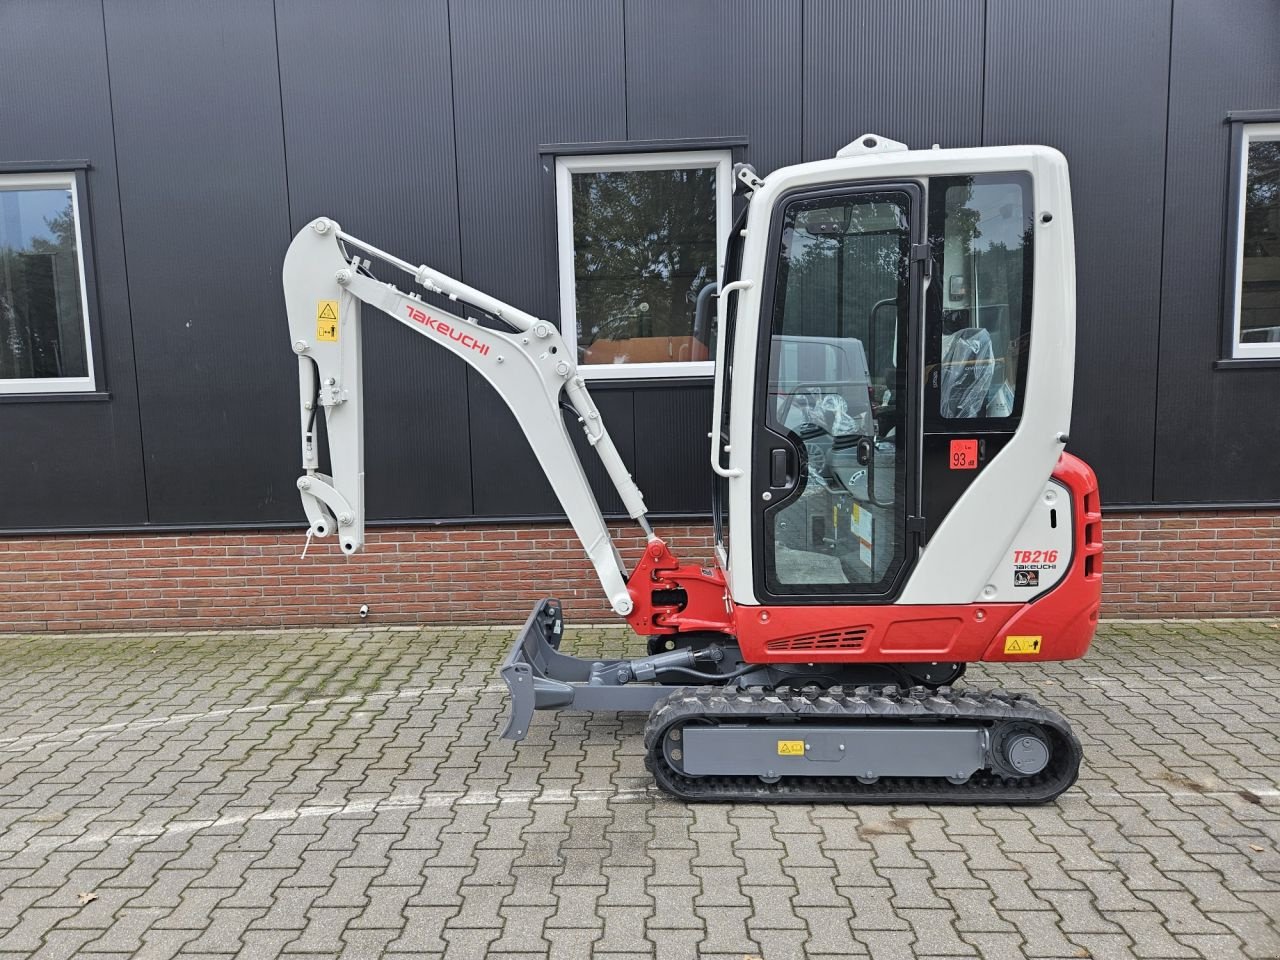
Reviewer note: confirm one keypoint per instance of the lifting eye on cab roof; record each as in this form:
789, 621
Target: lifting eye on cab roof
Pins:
870, 143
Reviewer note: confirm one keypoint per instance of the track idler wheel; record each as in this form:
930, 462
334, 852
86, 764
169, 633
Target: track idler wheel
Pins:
1019, 749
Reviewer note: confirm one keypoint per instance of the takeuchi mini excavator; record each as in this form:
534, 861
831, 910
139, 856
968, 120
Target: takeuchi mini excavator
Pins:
894, 343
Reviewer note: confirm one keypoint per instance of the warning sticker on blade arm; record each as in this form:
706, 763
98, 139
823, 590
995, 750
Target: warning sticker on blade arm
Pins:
327, 320
791, 748
1022, 645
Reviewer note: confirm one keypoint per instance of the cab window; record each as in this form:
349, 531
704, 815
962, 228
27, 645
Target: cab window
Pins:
979, 301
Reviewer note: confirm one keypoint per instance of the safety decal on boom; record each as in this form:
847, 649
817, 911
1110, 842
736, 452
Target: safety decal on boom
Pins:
327, 320
791, 748
1022, 645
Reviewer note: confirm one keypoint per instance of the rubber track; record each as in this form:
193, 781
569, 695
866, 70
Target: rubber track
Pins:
864, 705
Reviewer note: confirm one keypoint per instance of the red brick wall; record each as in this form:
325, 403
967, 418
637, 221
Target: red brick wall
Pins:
1192, 564
482, 574
1155, 565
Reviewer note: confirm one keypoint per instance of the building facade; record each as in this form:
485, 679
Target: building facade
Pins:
156, 159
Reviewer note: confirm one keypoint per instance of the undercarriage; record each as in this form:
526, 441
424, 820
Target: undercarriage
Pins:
721, 730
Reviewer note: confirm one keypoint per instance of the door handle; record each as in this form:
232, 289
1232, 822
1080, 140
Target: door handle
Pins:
779, 468
717, 388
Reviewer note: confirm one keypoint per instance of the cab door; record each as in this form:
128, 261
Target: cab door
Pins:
834, 476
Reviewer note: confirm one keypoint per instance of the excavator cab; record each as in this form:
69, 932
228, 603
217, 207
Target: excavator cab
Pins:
896, 369
894, 345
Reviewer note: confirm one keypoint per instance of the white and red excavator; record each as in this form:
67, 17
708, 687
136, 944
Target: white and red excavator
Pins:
894, 337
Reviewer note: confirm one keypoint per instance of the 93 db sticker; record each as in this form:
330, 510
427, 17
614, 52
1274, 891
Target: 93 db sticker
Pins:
1022, 645
791, 748
964, 455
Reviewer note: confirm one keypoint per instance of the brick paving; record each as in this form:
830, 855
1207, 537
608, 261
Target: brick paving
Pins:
332, 793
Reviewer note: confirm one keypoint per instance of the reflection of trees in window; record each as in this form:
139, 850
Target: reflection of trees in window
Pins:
977, 215
994, 265
1000, 274
960, 216
981, 236
644, 244
41, 319
840, 262
1262, 200
1260, 269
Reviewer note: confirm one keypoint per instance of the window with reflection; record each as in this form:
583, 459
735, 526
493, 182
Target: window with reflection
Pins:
44, 337
640, 236
1257, 261
979, 298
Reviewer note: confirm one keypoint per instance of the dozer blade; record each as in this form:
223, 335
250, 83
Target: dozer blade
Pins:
539, 677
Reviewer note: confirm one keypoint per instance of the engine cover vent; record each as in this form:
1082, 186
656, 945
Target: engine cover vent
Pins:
847, 638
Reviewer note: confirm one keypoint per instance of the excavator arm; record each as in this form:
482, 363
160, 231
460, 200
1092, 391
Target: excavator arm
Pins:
326, 282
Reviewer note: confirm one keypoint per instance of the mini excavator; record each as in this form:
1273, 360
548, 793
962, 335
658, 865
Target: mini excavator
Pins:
894, 344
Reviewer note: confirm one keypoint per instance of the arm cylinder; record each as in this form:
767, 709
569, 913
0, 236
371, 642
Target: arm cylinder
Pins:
600, 440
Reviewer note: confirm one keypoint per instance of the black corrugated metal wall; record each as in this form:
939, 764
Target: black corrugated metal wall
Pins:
216, 130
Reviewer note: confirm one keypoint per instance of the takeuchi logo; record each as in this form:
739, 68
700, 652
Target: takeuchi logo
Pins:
440, 328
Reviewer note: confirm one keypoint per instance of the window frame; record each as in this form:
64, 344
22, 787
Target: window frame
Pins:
1246, 126
720, 158
60, 176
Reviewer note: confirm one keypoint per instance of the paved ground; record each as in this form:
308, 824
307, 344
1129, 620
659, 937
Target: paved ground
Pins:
345, 793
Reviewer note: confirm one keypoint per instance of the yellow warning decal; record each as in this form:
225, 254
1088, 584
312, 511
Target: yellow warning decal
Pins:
1022, 645
791, 748
326, 319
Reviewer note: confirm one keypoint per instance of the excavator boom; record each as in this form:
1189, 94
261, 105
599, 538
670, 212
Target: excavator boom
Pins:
527, 363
